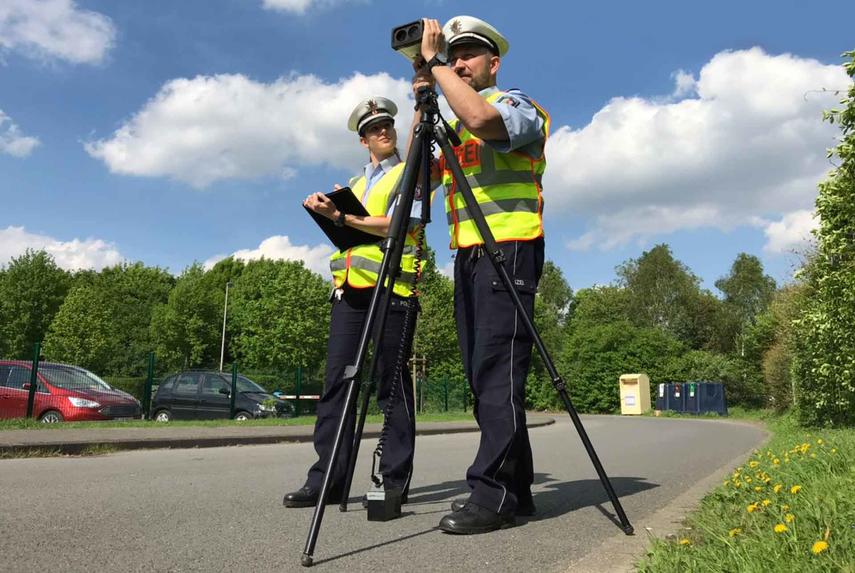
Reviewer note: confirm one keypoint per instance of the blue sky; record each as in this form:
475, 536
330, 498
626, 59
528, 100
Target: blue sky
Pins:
172, 132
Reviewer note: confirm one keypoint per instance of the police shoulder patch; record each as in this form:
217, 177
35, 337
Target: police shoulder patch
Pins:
508, 99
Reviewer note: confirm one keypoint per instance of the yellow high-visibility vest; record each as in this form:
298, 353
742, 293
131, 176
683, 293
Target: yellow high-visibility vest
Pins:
358, 266
507, 187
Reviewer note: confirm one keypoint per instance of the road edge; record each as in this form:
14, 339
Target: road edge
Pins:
620, 552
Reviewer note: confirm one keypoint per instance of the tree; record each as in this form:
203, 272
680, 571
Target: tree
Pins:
661, 291
747, 293
185, 331
84, 331
824, 338
600, 305
31, 292
281, 315
117, 304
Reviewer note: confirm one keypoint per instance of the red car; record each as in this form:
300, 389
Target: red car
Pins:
64, 392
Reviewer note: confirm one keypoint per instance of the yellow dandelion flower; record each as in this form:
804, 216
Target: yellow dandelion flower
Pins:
751, 508
735, 531
833, 450
819, 441
795, 489
776, 461
766, 503
789, 518
758, 488
737, 485
778, 487
819, 547
685, 541
785, 507
748, 480
781, 528
753, 464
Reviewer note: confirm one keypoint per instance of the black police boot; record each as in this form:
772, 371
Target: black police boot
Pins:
307, 496
525, 508
473, 519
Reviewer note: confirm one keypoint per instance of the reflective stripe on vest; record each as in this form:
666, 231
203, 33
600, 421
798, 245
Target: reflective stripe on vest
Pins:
507, 187
360, 265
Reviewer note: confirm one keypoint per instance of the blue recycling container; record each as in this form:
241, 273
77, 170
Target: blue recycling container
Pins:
712, 398
676, 397
692, 401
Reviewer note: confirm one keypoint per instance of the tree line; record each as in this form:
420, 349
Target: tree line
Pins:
654, 318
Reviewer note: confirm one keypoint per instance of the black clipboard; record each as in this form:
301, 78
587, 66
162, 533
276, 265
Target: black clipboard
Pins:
344, 237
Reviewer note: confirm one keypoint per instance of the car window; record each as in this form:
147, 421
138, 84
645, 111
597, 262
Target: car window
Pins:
4, 374
18, 377
213, 383
186, 384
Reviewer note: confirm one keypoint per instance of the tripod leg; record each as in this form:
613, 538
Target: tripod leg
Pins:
318, 516
497, 258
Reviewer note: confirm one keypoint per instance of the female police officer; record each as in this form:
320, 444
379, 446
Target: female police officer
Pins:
354, 275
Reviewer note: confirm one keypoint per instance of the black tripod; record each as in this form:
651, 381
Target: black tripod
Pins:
431, 128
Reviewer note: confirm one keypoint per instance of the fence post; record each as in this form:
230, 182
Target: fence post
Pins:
299, 390
34, 379
465, 396
146, 405
233, 394
420, 399
445, 392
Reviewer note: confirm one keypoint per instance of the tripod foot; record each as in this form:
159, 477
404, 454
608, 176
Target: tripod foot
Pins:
306, 560
628, 529
343, 507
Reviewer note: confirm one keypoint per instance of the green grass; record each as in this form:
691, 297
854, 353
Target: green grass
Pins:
802, 482
24, 424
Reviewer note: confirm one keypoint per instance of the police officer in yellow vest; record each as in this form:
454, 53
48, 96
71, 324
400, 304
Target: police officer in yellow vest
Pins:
503, 134
354, 275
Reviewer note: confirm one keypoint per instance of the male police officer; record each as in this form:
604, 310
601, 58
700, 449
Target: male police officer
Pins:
354, 275
503, 134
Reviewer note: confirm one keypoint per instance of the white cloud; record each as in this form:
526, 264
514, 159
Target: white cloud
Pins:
12, 141
791, 233
747, 144
211, 128
55, 29
71, 255
302, 6
316, 257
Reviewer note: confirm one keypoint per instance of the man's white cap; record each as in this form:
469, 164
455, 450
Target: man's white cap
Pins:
370, 110
468, 29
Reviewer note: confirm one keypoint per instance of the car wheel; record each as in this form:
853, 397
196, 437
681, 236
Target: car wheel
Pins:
162, 416
51, 417
243, 416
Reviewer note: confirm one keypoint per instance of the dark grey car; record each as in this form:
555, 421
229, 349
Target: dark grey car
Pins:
206, 395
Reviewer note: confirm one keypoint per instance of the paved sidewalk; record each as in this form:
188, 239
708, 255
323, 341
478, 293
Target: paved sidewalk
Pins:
73, 441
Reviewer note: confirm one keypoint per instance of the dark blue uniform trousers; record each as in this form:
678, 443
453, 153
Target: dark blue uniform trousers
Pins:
496, 356
348, 316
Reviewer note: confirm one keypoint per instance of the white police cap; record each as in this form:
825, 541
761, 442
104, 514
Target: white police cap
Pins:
370, 110
466, 29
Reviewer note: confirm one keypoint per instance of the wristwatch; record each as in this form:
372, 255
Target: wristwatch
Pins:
339, 221
434, 61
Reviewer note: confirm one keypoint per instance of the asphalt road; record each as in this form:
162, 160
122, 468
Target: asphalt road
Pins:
219, 509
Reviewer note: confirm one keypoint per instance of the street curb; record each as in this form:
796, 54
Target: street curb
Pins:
76, 447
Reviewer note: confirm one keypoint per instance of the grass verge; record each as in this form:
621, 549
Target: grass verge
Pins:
790, 507
25, 424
